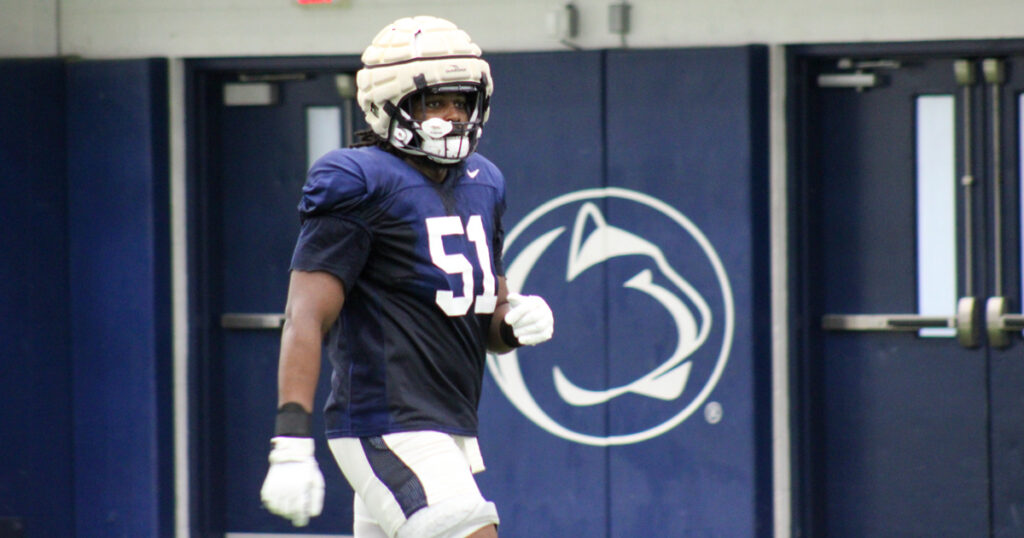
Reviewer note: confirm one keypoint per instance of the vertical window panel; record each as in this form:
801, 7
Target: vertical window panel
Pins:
1020, 175
323, 131
936, 209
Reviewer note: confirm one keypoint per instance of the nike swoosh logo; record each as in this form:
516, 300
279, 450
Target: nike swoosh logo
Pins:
472, 173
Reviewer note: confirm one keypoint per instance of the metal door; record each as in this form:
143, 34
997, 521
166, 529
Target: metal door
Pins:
257, 129
908, 277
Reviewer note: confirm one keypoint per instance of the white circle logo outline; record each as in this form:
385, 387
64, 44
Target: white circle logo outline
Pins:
505, 368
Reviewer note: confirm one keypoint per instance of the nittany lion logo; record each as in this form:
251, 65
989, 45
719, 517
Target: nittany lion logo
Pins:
644, 317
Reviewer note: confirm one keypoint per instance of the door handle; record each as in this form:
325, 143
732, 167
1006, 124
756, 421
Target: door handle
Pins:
999, 324
965, 322
884, 322
968, 327
251, 321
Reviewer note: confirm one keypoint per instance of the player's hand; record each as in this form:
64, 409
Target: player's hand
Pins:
530, 318
294, 487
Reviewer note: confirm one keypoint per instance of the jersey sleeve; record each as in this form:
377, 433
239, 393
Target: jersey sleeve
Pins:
335, 212
336, 183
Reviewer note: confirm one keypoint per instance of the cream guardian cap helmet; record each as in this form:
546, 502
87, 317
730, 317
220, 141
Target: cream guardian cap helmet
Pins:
409, 59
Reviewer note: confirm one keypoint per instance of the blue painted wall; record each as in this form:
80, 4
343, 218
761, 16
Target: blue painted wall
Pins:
119, 248
97, 368
35, 375
85, 299
619, 148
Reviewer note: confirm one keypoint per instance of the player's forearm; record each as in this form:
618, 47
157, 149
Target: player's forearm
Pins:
299, 366
495, 342
314, 302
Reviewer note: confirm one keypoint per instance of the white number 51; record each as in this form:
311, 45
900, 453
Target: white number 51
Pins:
437, 228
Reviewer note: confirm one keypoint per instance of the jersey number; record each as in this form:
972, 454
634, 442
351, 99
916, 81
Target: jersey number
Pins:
453, 264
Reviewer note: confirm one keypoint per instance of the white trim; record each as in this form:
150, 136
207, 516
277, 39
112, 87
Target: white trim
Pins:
779, 214
179, 291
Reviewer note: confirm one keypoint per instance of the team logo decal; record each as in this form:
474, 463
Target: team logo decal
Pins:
632, 279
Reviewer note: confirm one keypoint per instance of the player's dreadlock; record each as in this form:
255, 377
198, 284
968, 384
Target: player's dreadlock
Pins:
367, 137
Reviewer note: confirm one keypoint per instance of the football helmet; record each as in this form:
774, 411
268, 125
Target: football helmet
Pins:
409, 59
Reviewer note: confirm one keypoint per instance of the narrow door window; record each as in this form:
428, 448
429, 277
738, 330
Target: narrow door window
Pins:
323, 131
936, 209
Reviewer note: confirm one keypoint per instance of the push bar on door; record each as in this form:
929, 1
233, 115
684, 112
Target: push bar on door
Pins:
884, 322
251, 321
999, 324
966, 322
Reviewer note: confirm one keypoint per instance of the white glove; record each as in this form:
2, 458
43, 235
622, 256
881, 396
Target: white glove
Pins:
294, 487
530, 318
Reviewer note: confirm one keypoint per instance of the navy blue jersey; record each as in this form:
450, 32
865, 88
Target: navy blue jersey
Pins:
419, 261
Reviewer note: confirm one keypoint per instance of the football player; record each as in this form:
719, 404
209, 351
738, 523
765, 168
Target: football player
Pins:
397, 272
